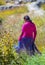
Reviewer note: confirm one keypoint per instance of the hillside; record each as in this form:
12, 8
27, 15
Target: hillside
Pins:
10, 29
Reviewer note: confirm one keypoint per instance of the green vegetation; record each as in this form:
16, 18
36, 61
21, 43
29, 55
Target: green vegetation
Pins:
2, 2
11, 29
17, 10
43, 6
36, 60
8, 56
40, 21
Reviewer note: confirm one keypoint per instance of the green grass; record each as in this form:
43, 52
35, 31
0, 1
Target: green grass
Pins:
36, 60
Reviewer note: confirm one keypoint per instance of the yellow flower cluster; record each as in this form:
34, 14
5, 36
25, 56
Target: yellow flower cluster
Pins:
6, 41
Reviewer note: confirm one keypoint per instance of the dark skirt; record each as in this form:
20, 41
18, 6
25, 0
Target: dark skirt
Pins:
26, 43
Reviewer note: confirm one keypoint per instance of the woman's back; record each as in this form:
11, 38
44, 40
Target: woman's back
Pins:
28, 28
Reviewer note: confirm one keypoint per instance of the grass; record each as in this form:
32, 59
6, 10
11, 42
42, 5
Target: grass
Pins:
43, 6
36, 60
13, 26
16, 24
2, 2
17, 10
39, 21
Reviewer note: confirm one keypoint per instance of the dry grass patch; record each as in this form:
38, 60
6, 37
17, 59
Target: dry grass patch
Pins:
17, 10
43, 6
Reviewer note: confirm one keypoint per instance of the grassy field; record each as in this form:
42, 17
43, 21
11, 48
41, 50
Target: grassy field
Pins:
12, 23
17, 10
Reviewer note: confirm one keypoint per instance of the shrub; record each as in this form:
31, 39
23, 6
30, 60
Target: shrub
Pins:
8, 56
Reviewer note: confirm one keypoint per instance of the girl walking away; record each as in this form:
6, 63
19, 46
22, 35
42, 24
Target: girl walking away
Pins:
27, 37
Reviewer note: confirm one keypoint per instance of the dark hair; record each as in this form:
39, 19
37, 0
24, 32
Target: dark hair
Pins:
27, 18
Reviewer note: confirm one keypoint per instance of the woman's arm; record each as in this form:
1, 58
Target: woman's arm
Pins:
20, 37
23, 30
